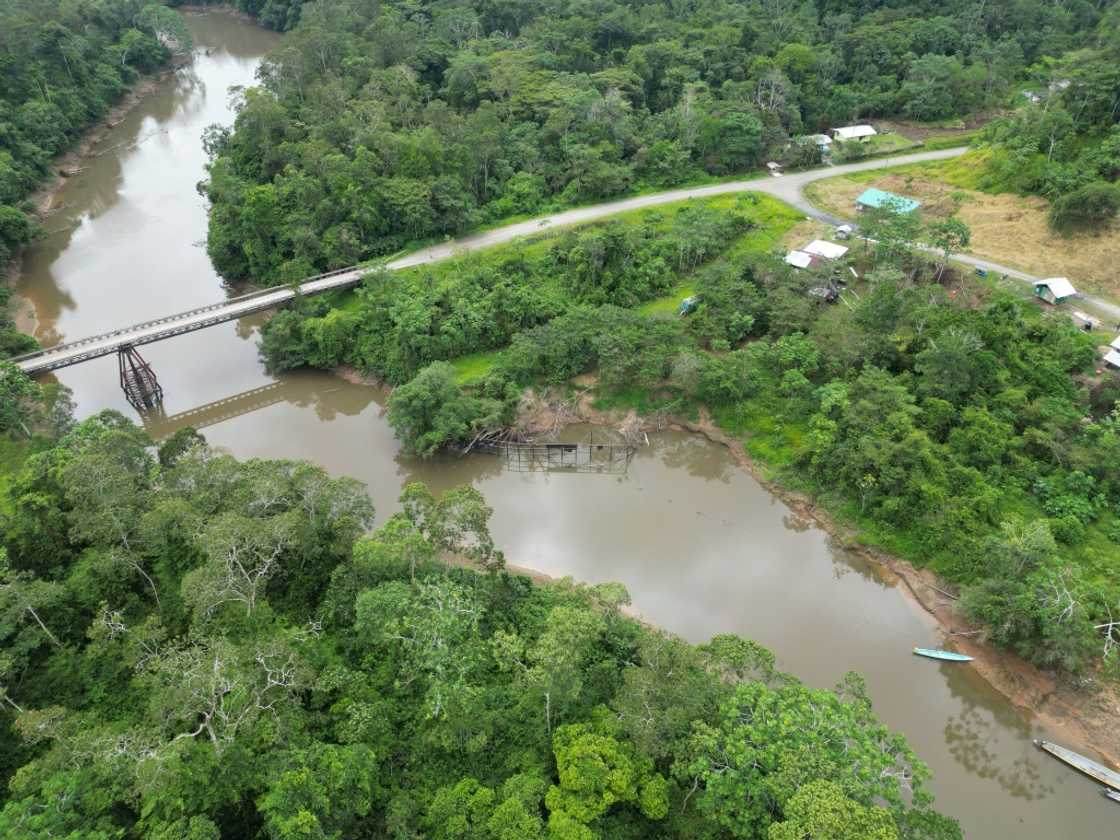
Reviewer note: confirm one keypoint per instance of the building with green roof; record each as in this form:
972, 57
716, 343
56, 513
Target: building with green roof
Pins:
876, 198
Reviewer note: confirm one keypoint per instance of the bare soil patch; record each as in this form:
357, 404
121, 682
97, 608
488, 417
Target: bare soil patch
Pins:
805, 232
1006, 228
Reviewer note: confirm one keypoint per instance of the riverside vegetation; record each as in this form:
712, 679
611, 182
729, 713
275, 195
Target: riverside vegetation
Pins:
966, 435
63, 65
196, 647
964, 431
380, 124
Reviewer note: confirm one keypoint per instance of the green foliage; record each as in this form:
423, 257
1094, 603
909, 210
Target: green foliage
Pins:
597, 773
20, 400
820, 811
280, 15
381, 124
1066, 145
430, 412
1093, 205
768, 744
64, 64
228, 655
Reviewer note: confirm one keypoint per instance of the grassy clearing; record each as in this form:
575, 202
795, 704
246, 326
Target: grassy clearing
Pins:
885, 144
1008, 229
668, 304
771, 218
472, 369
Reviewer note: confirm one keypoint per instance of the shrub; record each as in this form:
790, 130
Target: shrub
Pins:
1090, 206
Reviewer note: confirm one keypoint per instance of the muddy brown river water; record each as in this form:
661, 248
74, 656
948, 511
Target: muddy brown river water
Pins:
701, 546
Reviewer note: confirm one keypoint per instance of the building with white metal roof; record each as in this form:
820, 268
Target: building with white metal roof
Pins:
823, 248
799, 259
854, 132
1054, 289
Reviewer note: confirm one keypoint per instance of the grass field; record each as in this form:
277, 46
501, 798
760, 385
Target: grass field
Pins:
1006, 228
472, 369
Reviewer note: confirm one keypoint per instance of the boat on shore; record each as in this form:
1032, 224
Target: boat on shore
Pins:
1109, 778
946, 655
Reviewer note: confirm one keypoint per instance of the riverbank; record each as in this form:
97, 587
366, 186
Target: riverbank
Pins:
1087, 720
222, 8
47, 199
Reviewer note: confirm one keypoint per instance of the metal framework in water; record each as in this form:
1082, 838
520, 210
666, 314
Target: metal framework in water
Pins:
138, 380
565, 457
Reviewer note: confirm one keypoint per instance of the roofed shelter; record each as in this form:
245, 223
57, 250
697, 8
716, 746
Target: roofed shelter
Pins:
1054, 290
799, 259
823, 248
854, 132
873, 198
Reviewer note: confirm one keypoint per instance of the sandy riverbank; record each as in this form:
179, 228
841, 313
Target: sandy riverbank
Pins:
47, 199
1087, 721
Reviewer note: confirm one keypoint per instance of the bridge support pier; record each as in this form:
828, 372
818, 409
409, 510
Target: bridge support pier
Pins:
138, 380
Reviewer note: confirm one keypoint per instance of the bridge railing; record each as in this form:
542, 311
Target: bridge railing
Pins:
180, 316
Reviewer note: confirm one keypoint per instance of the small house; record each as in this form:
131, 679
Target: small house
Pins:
873, 198
1112, 358
822, 141
799, 259
1115, 345
822, 248
1054, 290
859, 133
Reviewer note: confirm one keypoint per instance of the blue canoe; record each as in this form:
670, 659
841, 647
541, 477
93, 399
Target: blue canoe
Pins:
947, 655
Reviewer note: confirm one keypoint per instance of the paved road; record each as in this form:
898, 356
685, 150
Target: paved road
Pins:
789, 188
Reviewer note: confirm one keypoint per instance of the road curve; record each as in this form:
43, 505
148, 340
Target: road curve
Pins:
789, 188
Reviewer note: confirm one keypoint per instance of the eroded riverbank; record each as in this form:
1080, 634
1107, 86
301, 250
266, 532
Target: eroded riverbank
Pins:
1088, 716
702, 546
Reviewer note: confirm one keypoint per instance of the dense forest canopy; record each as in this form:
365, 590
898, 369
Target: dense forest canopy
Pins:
383, 123
1065, 145
196, 647
62, 65
280, 15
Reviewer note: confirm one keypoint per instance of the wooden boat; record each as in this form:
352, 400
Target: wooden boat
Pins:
1114, 795
1090, 768
946, 655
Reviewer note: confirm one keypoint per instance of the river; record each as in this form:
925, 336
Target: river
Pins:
701, 546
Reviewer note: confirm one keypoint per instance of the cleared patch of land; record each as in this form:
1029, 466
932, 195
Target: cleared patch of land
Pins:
1006, 228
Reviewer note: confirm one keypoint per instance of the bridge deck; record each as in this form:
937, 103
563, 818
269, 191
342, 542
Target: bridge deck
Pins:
73, 352
787, 188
